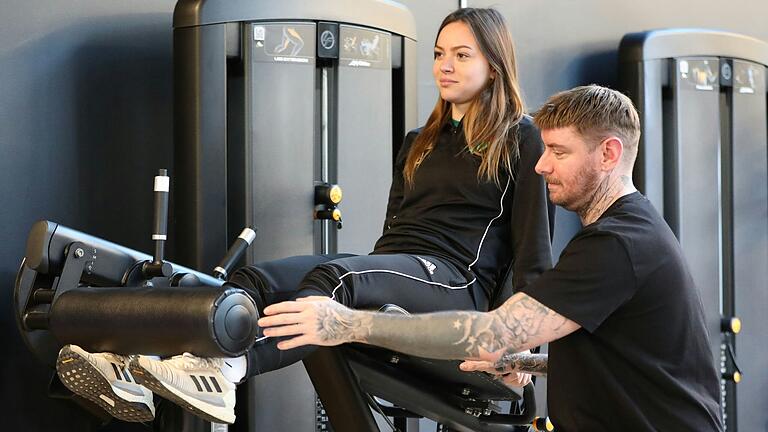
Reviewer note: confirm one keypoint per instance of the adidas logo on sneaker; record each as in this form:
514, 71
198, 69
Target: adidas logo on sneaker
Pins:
194, 383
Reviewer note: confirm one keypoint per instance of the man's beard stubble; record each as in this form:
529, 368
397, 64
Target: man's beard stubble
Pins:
580, 199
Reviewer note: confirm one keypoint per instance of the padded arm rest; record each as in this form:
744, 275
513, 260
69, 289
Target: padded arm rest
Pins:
205, 321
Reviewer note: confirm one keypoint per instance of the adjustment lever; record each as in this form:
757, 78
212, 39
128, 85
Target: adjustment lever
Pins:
731, 327
327, 198
327, 214
234, 253
158, 268
735, 373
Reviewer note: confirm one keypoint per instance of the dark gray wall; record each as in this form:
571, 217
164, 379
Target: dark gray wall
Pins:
564, 43
85, 120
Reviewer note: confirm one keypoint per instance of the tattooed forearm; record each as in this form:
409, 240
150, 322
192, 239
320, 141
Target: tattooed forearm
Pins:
519, 324
336, 323
535, 364
444, 335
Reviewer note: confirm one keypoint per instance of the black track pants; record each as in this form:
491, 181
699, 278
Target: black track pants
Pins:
416, 283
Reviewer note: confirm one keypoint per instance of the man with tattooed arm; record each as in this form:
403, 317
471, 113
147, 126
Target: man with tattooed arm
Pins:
621, 313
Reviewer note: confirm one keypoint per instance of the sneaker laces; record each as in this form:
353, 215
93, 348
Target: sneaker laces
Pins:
192, 362
107, 356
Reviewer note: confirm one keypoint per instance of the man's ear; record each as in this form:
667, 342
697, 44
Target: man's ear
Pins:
613, 149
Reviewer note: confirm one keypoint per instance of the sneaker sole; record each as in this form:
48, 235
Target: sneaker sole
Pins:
83, 379
148, 380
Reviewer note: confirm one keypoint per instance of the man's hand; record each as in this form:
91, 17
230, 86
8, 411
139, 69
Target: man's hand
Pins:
314, 321
519, 364
512, 369
507, 377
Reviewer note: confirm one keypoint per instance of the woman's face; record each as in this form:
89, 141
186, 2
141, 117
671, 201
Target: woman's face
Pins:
461, 70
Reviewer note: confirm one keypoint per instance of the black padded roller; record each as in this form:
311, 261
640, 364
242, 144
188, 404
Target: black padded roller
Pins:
205, 321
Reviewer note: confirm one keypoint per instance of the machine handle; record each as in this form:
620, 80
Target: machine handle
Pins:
157, 268
234, 253
35, 320
160, 232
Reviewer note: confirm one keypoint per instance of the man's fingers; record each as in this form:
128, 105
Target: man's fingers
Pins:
313, 298
516, 379
474, 365
294, 343
286, 330
284, 307
280, 319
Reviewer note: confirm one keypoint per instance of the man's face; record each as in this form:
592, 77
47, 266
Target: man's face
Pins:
571, 170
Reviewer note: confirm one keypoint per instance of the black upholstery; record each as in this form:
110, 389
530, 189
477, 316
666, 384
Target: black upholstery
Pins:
206, 321
436, 389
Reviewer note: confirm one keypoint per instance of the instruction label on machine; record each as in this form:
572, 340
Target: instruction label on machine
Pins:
284, 43
364, 48
747, 77
699, 74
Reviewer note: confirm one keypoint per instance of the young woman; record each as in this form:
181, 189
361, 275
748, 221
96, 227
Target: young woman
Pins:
465, 205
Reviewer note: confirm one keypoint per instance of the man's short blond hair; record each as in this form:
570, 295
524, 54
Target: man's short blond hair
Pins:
596, 113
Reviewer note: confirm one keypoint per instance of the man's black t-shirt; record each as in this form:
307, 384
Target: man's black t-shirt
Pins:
642, 359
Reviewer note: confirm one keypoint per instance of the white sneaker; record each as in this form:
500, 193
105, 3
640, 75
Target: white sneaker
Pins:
194, 383
104, 379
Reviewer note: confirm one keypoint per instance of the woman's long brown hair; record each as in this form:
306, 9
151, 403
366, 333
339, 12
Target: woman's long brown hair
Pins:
490, 120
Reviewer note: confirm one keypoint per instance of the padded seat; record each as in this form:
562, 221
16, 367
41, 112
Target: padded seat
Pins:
345, 377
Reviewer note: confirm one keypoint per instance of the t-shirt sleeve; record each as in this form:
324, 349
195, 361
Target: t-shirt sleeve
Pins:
592, 279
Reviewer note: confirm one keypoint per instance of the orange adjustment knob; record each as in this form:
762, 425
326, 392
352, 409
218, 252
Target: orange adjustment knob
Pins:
735, 376
731, 325
332, 214
328, 194
542, 424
